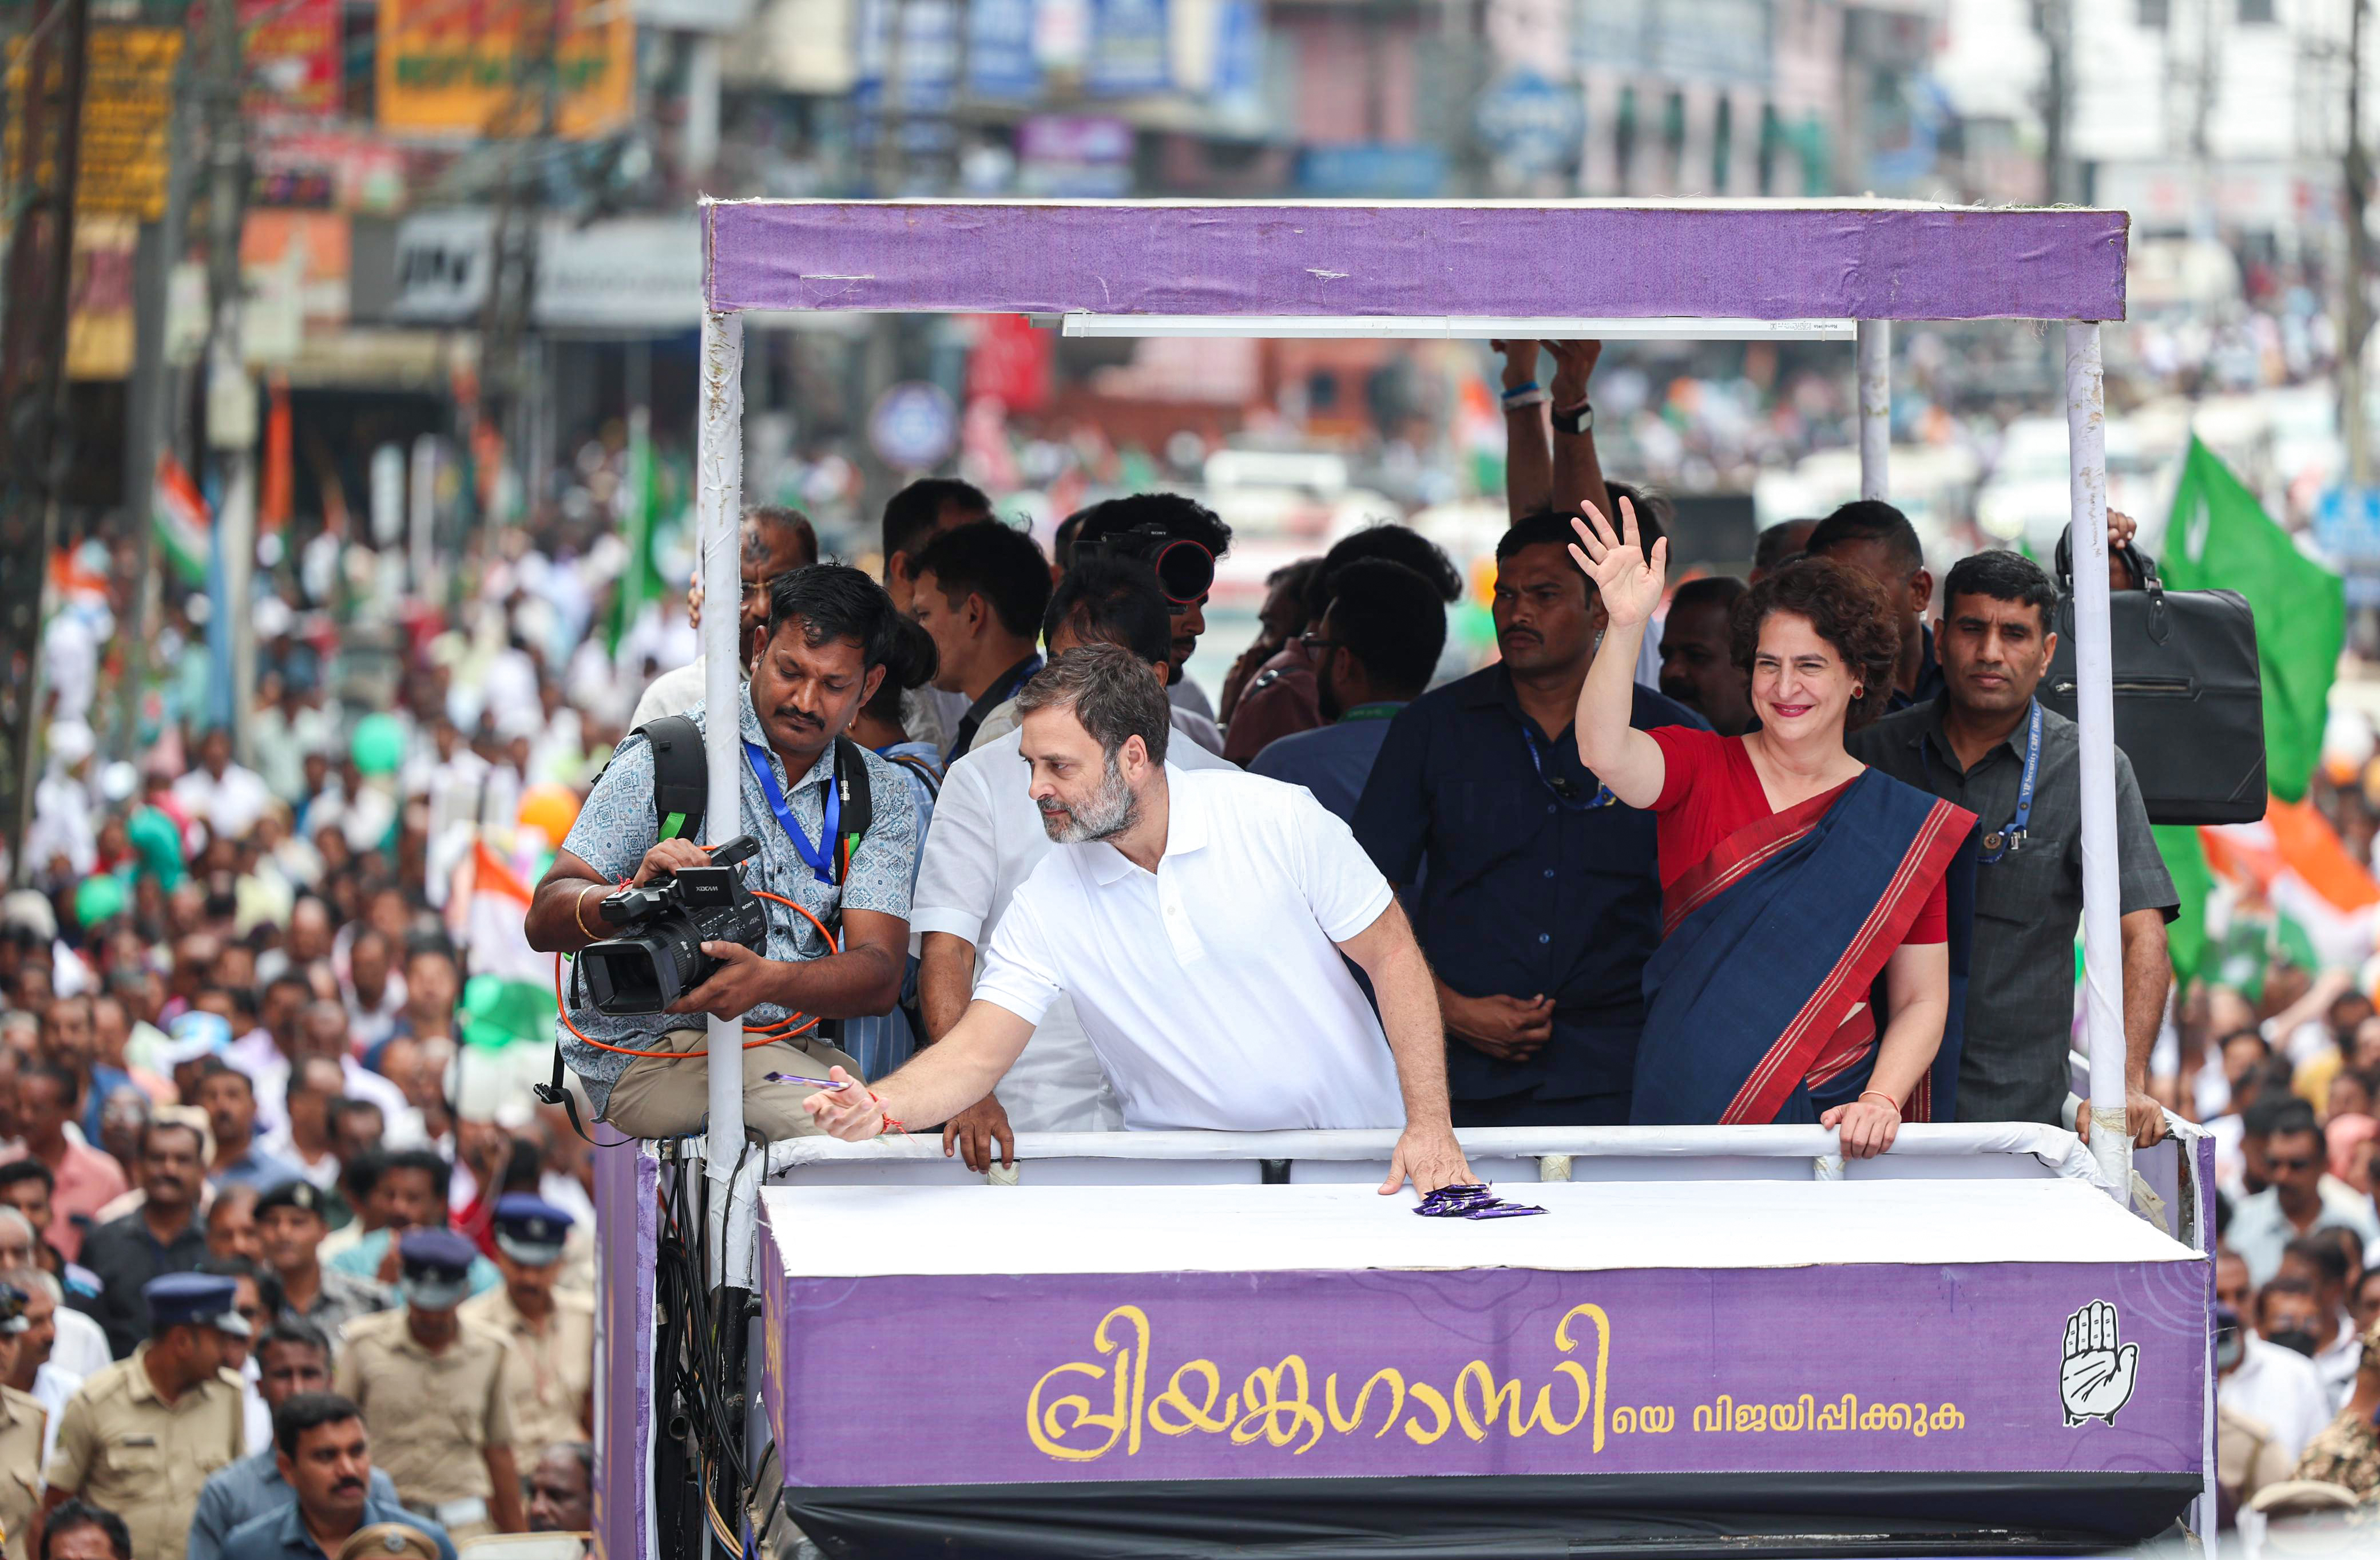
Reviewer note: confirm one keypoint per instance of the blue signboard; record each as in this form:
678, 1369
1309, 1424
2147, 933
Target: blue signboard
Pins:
914, 426
2347, 524
1130, 53
1410, 172
1531, 124
930, 57
1239, 55
1000, 63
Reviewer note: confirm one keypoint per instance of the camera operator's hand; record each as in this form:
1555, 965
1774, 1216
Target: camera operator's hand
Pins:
851, 1113
669, 856
744, 981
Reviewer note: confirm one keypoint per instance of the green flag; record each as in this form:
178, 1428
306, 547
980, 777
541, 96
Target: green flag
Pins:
2220, 539
2185, 859
640, 582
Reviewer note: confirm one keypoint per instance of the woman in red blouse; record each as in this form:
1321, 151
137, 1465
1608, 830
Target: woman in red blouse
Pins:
1802, 892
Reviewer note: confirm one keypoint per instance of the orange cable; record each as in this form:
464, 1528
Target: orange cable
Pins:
768, 1033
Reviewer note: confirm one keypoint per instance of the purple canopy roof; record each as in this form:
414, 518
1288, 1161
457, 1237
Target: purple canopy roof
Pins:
1846, 260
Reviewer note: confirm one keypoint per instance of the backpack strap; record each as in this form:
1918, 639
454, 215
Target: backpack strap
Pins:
858, 800
923, 770
681, 776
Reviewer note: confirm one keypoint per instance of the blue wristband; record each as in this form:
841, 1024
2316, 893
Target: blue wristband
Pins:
1521, 390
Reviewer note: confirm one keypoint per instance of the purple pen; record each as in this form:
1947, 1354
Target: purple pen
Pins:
796, 1077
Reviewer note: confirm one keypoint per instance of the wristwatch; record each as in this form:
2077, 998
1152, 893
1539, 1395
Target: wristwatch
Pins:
1579, 419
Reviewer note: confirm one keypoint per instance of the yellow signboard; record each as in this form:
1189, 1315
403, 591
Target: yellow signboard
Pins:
127, 101
471, 66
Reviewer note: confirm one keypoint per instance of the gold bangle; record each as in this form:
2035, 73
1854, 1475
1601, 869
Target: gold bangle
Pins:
1882, 1095
578, 910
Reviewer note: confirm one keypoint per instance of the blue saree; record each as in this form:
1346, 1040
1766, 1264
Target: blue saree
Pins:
1761, 1000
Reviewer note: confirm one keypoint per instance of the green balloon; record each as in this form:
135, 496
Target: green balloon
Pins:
378, 744
159, 845
98, 896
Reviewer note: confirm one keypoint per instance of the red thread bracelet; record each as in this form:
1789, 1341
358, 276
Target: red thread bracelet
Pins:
890, 1120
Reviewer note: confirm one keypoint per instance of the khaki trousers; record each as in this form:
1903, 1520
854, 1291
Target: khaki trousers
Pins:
665, 1098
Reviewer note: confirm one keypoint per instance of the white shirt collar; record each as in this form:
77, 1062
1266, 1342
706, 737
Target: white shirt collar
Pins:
1185, 830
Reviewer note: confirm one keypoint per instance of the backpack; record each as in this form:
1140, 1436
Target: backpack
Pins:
682, 784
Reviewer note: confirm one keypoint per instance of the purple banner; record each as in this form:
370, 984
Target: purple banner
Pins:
993, 1379
627, 1220
1776, 262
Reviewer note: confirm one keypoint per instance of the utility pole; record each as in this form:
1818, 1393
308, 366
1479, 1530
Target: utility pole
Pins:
509, 381
231, 394
2057, 24
2357, 315
41, 176
154, 384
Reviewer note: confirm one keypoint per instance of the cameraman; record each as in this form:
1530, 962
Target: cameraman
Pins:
1180, 539
817, 658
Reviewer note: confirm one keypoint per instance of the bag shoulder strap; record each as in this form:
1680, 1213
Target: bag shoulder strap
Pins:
681, 776
859, 799
921, 769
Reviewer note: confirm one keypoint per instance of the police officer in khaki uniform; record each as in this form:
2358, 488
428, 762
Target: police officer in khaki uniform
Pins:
2348, 1450
388, 1540
436, 1394
143, 1435
552, 1331
22, 1420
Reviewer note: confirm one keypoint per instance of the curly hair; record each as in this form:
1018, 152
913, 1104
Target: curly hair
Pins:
1848, 610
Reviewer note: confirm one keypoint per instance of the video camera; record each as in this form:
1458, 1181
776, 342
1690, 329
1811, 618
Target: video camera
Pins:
1185, 570
658, 957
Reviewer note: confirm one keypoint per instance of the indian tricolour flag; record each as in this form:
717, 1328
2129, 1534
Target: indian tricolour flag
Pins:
179, 516
2324, 903
510, 993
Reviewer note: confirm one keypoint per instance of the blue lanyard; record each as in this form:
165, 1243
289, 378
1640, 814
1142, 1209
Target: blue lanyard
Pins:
1564, 790
2010, 836
818, 857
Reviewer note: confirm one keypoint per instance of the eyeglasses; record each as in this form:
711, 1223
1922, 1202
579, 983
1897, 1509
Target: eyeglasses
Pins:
2277, 1163
1310, 641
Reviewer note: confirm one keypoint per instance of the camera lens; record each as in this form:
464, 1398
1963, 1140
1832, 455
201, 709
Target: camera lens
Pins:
1185, 569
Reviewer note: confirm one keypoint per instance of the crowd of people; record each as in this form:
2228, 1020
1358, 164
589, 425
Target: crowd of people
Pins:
298, 1256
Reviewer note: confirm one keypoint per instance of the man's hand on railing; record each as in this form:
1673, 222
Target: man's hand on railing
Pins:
2143, 1116
1431, 1157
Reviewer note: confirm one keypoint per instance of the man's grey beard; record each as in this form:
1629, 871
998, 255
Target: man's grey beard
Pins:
1111, 813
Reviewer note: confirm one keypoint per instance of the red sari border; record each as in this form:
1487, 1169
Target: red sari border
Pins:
1740, 853
1786, 1062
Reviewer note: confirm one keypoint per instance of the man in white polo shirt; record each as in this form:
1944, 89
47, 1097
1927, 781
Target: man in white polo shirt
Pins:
987, 838
1197, 919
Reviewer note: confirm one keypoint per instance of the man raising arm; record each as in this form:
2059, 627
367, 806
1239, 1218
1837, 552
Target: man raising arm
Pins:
1240, 894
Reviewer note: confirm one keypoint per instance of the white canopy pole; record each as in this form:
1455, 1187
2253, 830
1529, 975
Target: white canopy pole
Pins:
2103, 952
1874, 407
718, 500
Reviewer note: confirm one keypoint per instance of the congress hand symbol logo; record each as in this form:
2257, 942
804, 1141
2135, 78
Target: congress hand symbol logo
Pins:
2096, 1377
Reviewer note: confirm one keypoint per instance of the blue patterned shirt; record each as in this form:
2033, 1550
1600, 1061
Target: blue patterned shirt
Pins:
616, 827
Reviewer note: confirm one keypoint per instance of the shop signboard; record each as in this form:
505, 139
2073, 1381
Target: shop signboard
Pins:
1131, 54
465, 67
127, 101
291, 49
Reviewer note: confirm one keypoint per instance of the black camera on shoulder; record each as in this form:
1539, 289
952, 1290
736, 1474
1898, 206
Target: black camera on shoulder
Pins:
658, 957
1184, 568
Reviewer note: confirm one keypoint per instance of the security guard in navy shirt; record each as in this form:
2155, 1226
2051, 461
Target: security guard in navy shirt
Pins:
1539, 897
